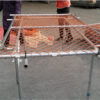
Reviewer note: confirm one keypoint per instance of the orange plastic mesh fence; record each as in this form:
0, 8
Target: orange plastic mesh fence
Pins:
96, 26
51, 20
49, 35
93, 35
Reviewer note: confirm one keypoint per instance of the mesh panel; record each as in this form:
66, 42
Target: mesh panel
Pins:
96, 26
50, 20
93, 35
49, 35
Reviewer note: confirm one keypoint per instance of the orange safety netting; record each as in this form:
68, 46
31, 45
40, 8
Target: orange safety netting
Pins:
39, 35
96, 26
93, 34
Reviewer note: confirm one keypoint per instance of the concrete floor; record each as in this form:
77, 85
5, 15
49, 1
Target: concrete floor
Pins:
52, 78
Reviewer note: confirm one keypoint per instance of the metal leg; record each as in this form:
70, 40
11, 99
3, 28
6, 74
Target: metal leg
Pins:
90, 77
17, 64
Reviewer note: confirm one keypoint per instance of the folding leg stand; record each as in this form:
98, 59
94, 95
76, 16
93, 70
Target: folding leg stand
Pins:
17, 64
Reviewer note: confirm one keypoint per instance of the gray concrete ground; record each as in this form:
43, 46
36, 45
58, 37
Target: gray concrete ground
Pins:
52, 78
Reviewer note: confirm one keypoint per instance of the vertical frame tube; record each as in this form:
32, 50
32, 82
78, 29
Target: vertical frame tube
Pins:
17, 64
90, 77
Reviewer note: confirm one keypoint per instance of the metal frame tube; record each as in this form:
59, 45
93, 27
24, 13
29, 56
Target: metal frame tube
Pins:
90, 77
39, 14
17, 64
8, 32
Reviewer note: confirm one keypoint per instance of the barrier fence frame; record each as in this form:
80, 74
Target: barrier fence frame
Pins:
17, 57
